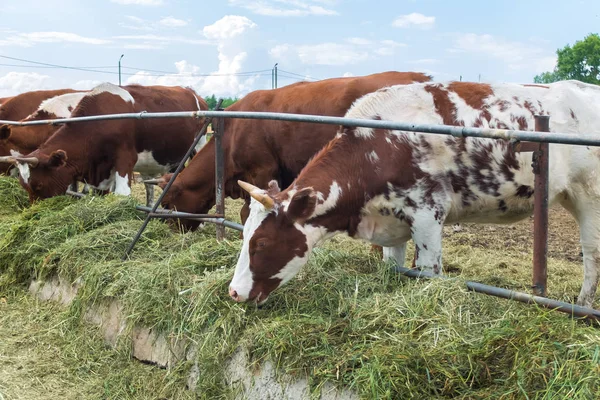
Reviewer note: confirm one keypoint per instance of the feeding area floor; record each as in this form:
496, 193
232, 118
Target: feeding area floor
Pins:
345, 320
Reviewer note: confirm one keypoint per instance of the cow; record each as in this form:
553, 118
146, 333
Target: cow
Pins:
104, 154
20, 106
19, 140
4, 100
259, 151
387, 187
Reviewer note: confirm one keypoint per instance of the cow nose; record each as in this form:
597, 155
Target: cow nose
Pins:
234, 295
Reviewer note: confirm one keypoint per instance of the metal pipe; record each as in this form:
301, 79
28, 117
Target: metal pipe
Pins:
166, 189
120, 68
589, 139
540, 211
164, 213
220, 174
571, 309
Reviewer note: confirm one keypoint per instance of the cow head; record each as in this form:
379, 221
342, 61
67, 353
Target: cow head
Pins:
277, 241
44, 175
183, 198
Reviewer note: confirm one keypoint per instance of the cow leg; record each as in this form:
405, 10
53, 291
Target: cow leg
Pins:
426, 233
397, 254
149, 193
589, 227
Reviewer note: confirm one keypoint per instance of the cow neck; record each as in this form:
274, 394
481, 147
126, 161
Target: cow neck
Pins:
76, 150
343, 177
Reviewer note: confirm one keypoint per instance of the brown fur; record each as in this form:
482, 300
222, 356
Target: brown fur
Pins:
93, 149
24, 104
258, 151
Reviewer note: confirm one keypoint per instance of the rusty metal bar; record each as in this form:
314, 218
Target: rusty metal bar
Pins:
540, 210
571, 309
186, 157
220, 173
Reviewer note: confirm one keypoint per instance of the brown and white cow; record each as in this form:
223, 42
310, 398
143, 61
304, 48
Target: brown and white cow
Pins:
104, 154
18, 140
386, 186
20, 106
259, 151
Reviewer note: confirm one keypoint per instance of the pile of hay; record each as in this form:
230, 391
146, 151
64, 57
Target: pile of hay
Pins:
345, 319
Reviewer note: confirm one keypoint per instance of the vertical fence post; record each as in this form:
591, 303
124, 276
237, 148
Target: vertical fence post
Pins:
220, 174
540, 210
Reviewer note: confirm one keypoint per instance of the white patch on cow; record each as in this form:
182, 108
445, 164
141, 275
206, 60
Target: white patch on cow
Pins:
122, 185
242, 281
61, 106
24, 171
107, 87
335, 192
148, 167
116, 184
372, 157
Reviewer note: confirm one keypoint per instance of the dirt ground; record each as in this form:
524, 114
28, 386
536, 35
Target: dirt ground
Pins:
563, 236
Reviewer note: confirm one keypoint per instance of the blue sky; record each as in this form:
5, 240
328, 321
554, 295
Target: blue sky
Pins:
229, 40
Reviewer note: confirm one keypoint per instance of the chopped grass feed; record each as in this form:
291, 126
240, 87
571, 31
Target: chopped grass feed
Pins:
346, 318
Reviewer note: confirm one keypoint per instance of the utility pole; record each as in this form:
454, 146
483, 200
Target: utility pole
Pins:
274, 77
120, 68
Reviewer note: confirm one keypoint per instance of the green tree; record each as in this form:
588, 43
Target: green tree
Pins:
212, 101
580, 62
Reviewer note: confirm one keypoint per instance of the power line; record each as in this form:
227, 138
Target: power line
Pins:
98, 69
300, 75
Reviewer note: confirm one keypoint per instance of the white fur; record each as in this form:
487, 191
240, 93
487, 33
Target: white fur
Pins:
59, 105
107, 87
24, 171
116, 184
242, 281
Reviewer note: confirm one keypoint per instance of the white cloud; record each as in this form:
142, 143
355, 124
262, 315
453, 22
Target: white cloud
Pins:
172, 22
285, 8
228, 27
355, 50
152, 41
139, 2
232, 34
348, 75
415, 20
85, 84
14, 83
32, 38
516, 55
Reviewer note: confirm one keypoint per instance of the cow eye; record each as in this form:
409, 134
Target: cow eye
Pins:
261, 244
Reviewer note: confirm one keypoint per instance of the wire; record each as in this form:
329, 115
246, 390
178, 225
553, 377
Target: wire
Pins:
293, 73
262, 72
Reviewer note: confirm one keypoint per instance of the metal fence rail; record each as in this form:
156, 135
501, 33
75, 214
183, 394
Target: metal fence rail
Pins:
589, 139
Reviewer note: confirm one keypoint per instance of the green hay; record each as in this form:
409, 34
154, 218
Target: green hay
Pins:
13, 198
346, 318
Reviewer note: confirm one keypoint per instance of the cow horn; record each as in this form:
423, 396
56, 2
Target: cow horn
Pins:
32, 161
8, 159
153, 181
258, 195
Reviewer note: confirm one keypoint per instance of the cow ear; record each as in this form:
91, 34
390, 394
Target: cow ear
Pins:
58, 158
4, 132
302, 205
273, 188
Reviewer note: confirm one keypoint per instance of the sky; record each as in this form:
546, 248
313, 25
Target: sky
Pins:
229, 47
